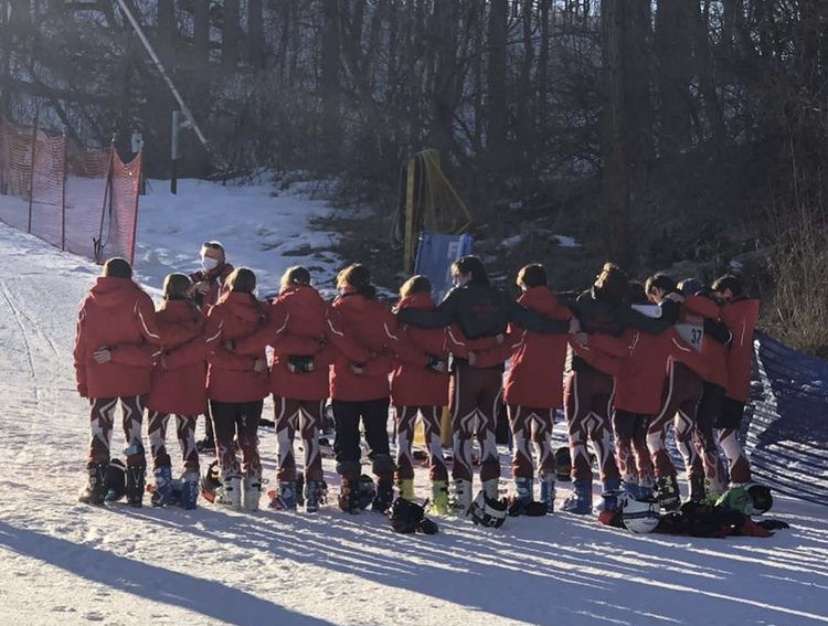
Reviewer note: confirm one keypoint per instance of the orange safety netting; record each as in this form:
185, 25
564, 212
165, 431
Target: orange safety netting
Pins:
83, 201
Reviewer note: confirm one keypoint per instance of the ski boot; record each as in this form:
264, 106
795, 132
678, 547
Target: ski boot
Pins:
95, 490
646, 486
490, 488
230, 493
314, 495
439, 497
189, 489
612, 489
384, 496
163, 492
135, 478
523, 495
285, 498
206, 446
631, 488
300, 489
252, 491
406, 487
668, 493
115, 481
347, 498
547, 492
211, 483
697, 489
579, 501
462, 496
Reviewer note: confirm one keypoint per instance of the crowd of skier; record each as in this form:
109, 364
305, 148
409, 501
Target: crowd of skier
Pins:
625, 361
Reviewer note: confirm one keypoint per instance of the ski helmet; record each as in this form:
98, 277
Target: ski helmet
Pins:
639, 516
487, 511
366, 491
761, 499
405, 516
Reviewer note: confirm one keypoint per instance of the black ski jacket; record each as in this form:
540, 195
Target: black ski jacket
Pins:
481, 310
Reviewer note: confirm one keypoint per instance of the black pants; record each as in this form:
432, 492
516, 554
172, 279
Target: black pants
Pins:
374, 415
237, 419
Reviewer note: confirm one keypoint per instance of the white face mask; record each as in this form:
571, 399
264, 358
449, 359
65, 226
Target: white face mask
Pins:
209, 263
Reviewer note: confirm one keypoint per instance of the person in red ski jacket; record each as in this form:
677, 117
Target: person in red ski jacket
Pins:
740, 313
481, 312
178, 388
236, 387
366, 336
639, 392
533, 389
209, 283
117, 340
421, 390
603, 314
691, 394
298, 380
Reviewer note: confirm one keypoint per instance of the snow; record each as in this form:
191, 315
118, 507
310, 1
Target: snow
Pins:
66, 563
259, 230
565, 241
562, 241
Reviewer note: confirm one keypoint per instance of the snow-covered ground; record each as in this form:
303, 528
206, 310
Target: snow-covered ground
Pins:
65, 563
264, 232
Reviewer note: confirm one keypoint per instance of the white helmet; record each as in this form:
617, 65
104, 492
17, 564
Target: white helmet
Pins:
640, 516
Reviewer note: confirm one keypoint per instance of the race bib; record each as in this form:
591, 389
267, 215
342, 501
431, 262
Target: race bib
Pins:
692, 334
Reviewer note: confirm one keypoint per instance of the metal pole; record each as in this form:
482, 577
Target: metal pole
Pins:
158, 64
32, 168
135, 210
63, 195
176, 126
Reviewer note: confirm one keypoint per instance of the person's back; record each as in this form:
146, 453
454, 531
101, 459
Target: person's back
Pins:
536, 376
178, 382
233, 378
370, 325
306, 310
116, 341
481, 310
113, 316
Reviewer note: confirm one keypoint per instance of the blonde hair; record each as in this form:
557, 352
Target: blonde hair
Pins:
415, 284
293, 276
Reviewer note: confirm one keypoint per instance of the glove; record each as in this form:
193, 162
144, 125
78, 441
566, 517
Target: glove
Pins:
83, 391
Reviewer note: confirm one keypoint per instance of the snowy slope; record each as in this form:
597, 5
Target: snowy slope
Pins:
65, 563
264, 232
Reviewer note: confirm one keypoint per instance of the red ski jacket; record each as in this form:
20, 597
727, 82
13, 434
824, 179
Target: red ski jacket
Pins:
232, 377
365, 333
604, 353
179, 378
215, 279
536, 377
694, 310
412, 383
740, 317
118, 315
297, 327
639, 384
